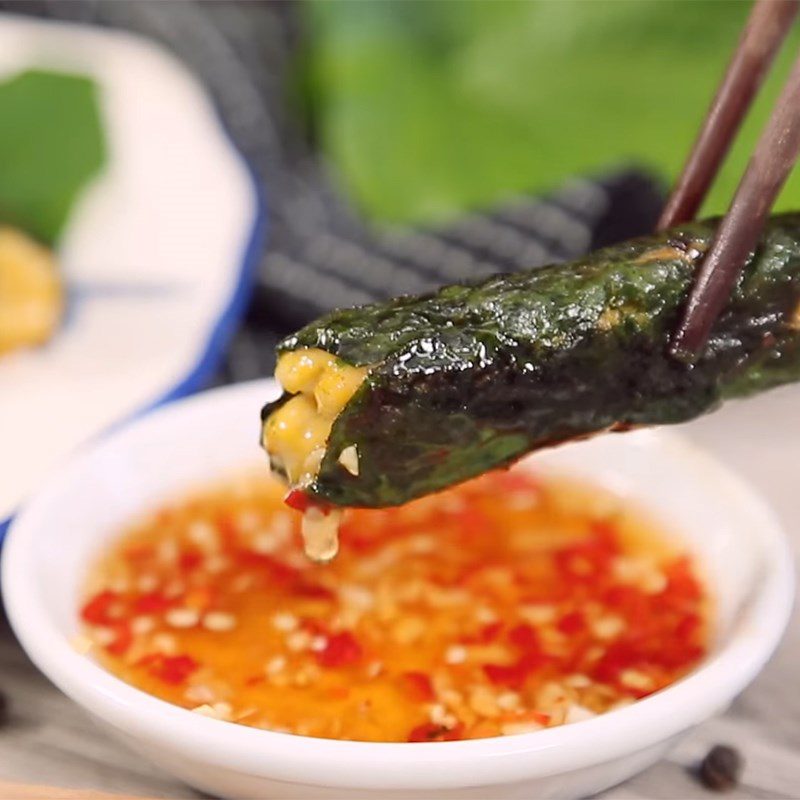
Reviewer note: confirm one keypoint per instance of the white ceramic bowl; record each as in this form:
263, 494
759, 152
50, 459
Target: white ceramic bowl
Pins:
736, 537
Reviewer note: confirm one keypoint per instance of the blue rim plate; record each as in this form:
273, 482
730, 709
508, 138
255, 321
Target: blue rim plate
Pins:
158, 257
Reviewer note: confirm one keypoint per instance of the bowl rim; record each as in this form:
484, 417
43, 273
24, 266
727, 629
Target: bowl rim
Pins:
368, 765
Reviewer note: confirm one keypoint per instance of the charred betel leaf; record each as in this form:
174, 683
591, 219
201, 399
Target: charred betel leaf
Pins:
473, 377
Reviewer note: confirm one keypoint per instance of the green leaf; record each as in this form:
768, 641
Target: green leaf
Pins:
51, 144
430, 108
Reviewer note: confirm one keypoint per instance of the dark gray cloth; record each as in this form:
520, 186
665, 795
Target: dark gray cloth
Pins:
320, 253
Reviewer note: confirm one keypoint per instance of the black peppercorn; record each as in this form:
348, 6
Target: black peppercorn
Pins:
721, 769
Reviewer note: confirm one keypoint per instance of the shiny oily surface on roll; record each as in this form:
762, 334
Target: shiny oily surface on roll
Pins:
472, 377
509, 604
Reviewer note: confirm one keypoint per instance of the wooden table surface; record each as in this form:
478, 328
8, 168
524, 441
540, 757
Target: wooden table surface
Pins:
48, 740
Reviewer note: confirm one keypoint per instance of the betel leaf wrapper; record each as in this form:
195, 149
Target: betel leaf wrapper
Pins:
473, 377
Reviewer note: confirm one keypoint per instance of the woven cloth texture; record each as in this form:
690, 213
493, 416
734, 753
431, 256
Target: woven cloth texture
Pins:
320, 253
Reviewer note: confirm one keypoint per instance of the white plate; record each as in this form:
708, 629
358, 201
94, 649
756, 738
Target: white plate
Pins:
156, 256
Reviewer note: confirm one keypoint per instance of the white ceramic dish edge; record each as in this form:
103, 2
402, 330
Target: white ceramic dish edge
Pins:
141, 329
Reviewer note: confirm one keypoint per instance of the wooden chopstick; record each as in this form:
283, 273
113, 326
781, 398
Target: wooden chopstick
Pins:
766, 28
737, 235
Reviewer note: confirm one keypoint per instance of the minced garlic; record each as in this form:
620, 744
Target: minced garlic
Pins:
348, 458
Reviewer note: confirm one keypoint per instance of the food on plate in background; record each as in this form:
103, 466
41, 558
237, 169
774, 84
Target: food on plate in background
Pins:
51, 145
509, 604
31, 295
389, 402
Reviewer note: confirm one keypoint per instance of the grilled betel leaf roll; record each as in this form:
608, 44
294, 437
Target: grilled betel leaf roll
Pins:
432, 390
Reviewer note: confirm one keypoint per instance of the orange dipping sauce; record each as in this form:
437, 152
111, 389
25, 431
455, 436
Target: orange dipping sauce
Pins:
506, 605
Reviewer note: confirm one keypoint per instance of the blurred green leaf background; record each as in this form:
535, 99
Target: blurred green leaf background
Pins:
51, 145
428, 108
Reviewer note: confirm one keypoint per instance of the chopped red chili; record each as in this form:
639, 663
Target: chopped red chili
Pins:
190, 559
429, 732
514, 675
152, 603
299, 500
123, 638
312, 591
524, 637
169, 669
572, 623
98, 611
419, 686
340, 650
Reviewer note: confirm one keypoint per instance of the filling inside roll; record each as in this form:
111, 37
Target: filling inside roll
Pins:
295, 435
